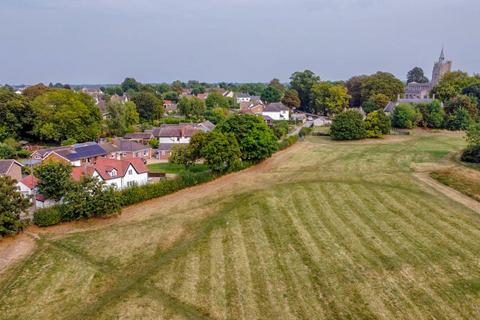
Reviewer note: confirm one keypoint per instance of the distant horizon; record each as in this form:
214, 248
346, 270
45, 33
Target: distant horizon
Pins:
155, 41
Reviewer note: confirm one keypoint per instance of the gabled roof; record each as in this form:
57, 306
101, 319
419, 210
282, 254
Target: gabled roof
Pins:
123, 145
243, 95
30, 181
139, 135
75, 152
275, 107
5, 166
105, 166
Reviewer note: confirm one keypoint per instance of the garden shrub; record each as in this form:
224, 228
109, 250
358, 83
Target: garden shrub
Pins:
471, 154
48, 216
405, 116
377, 124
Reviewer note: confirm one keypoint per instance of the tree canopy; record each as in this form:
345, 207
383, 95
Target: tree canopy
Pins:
192, 106
348, 125
271, 94
54, 180
417, 75
216, 100
12, 205
302, 82
121, 117
149, 106
65, 114
16, 116
452, 84
255, 138
291, 99
382, 82
328, 98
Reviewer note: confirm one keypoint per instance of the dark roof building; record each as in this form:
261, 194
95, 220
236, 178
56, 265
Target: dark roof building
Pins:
276, 107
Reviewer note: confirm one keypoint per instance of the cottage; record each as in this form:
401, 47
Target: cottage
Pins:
277, 111
11, 168
120, 174
28, 186
170, 106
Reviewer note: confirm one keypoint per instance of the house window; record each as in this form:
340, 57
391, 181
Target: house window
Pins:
130, 172
131, 183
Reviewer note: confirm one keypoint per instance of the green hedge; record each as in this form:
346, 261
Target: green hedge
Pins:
138, 194
285, 143
48, 216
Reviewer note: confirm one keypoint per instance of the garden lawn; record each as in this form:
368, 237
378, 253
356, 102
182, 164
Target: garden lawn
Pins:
323, 230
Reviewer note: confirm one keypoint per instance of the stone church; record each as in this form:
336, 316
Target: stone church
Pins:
422, 90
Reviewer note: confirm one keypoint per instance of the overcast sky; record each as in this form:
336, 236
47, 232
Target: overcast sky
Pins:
104, 41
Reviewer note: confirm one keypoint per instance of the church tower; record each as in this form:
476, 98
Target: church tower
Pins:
440, 68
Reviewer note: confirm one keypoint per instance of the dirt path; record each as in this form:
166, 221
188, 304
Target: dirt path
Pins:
14, 249
449, 192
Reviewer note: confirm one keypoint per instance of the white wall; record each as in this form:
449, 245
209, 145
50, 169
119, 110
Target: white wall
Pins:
174, 140
123, 182
278, 115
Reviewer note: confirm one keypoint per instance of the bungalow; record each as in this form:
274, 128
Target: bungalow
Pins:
120, 174
140, 137
123, 148
75, 155
11, 168
277, 111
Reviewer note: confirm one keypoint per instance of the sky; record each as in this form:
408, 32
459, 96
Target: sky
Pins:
104, 41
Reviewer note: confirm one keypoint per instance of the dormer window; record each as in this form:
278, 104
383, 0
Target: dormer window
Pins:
113, 173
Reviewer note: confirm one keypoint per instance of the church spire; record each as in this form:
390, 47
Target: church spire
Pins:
442, 55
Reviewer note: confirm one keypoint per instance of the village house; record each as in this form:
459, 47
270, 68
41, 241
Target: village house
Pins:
243, 97
277, 111
122, 148
170, 106
75, 155
11, 168
172, 134
120, 174
28, 188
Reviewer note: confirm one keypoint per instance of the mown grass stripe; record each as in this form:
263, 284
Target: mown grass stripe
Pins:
217, 277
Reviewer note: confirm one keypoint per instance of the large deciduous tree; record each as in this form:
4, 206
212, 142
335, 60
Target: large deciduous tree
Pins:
12, 205
221, 151
16, 115
54, 180
376, 102
416, 75
65, 114
191, 106
302, 82
216, 100
256, 139
382, 82
121, 117
130, 84
149, 106
291, 99
271, 94
354, 87
328, 98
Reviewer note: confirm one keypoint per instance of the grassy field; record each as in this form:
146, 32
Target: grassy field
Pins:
324, 230
461, 179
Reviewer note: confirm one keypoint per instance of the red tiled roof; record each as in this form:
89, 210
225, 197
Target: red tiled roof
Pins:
78, 172
40, 197
104, 166
30, 181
